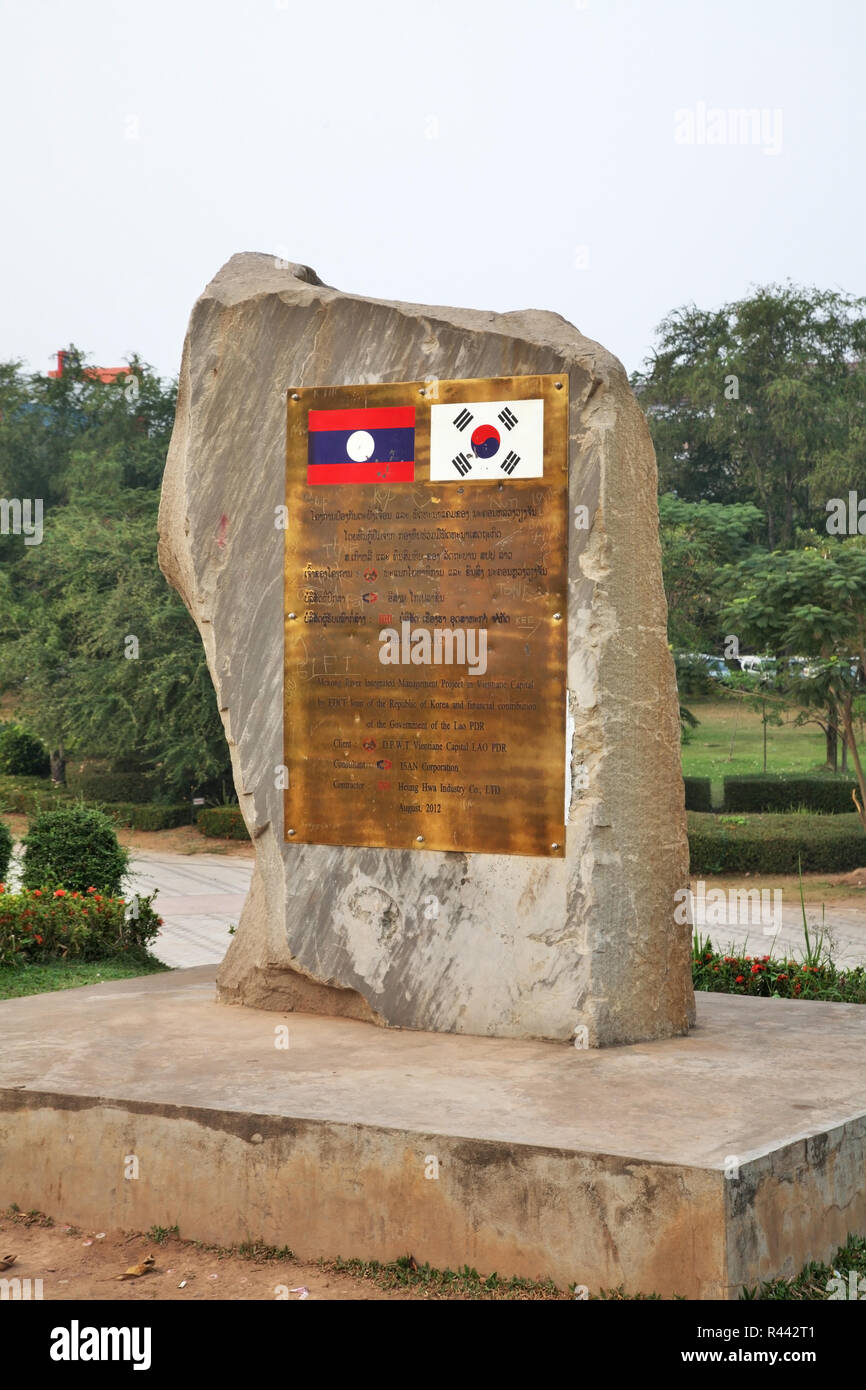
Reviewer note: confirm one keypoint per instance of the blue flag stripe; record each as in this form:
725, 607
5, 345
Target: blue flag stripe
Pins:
391, 446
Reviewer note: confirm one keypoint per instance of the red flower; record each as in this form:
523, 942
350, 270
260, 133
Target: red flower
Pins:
91, 890
797, 987
739, 980
37, 892
756, 969
781, 977
60, 892
708, 956
38, 938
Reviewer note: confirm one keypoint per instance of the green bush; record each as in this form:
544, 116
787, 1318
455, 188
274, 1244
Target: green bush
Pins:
222, 822
785, 791
49, 925
21, 754
24, 795
772, 844
95, 785
6, 846
139, 817
698, 794
73, 847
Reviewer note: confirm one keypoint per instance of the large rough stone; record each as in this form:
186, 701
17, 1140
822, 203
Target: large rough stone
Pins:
522, 947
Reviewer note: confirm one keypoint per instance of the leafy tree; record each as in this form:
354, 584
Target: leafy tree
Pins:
101, 653
697, 538
811, 603
761, 401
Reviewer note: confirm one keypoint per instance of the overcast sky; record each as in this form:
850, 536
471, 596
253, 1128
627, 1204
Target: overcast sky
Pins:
555, 154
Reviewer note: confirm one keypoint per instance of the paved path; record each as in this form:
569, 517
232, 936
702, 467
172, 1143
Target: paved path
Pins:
200, 897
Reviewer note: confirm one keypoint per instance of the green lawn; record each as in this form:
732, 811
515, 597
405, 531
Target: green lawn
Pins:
729, 742
18, 980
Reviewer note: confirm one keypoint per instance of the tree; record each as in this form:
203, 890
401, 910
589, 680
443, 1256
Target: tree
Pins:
101, 653
811, 603
761, 401
697, 539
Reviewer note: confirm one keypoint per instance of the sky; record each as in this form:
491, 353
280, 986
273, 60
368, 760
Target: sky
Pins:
584, 156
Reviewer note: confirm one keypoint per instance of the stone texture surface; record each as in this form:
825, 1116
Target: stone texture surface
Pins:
522, 947
601, 1168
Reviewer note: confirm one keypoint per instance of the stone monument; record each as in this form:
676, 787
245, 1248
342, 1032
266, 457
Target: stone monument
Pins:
421, 548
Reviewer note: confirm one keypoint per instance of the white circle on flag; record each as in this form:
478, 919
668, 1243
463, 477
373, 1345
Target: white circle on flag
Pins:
360, 446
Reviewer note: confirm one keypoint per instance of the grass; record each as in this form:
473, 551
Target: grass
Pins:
729, 742
19, 980
407, 1273
810, 1285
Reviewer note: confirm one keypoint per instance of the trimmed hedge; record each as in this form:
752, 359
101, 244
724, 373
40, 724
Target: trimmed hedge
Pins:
698, 793
222, 822
785, 791
24, 795
116, 787
136, 817
771, 844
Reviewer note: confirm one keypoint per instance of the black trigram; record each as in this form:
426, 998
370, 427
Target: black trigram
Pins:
510, 462
462, 464
508, 418
462, 420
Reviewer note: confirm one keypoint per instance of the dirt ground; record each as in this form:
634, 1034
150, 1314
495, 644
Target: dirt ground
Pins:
78, 1264
185, 839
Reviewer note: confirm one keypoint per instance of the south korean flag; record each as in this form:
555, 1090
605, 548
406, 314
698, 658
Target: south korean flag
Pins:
482, 440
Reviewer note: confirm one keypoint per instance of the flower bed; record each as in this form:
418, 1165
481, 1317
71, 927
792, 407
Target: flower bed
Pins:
767, 978
53, 924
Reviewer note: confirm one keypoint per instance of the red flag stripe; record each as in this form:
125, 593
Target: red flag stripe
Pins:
383, 417
381, 473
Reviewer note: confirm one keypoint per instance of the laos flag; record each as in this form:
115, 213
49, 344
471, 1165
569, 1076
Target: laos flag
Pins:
360, 445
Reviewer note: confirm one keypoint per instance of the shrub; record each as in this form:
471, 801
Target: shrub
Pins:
772, 844
222, 822
785, 791
6, 846
73, 847
50, 925
95, 785
21, 754
698, 794
150, 817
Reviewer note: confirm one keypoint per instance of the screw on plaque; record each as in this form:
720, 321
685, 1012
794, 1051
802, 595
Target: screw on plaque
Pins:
291, 615
558, 385
557, 616
290, 832
295, 396
554, 845
419, 839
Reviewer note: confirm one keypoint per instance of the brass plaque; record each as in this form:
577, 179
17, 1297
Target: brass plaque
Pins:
425, 615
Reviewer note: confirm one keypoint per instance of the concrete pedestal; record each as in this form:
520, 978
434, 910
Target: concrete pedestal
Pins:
592, 1167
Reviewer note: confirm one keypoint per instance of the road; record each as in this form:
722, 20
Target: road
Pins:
200, 897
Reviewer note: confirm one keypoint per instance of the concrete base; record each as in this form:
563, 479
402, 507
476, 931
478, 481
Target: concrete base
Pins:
592, 1167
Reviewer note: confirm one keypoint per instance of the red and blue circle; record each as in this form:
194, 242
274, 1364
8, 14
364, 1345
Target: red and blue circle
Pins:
485, 441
